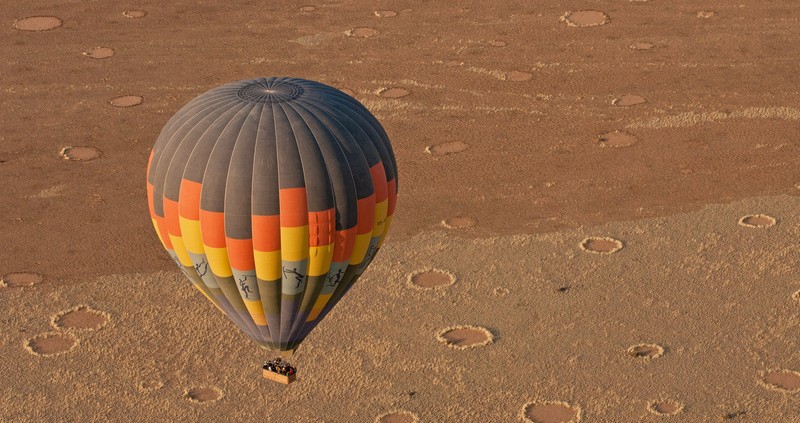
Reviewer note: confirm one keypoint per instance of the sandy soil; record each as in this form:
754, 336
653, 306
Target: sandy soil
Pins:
594, 175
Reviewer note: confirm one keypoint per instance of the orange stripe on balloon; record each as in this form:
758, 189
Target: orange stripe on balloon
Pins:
240, 253
150, 202
171, 216
189, 199
212, 228
149, 162
266, 233
343, 244
294, 210
162, 230
392, 196
366, 214
379, 181
321, 226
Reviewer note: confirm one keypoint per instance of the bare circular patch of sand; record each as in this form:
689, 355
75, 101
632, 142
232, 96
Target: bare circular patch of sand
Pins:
550, 412
127, 101
628, 100
80, 153
362, 32
150, 385
459, 222
585, 18
601, 245
641, 46
307, 8
393, 92
782, 380
759, 221
431, 279
385, 13
203, 394
37, 23
500, 291
21, 279
51, 344
616, 139
646, 351
397, 416
465, 337
134, 14
99, 53
665, 407
446, 148
497, 43
81, 317
519, 76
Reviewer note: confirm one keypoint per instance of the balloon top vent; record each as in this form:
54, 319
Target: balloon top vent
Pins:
270, 91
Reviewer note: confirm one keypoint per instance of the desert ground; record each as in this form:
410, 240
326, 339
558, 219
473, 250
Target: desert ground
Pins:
597, 218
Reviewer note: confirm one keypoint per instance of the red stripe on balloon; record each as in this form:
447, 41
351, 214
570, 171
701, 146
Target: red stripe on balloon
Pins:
293, 206
212, 228
379, 181
189, 199
240, 253
343, 244
392, 197
266, 233
366, 214
171, 216
321, 226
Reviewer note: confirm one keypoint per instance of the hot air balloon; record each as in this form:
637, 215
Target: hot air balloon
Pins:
272, 195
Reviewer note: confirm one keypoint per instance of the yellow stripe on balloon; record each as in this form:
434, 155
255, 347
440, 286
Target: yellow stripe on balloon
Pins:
360, 248
318, 306
319, 260
218, 260
294, 243
192, 238
380, 217
256, 311
180, 250
268, 264
155, 225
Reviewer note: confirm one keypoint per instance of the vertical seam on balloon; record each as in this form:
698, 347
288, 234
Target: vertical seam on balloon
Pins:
300, 156
300, 320
258, 333
333, 300
248, 321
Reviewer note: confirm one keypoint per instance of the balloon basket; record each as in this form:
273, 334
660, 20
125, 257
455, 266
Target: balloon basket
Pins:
277, 377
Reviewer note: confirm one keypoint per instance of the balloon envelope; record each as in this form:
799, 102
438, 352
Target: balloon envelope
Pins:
272, 195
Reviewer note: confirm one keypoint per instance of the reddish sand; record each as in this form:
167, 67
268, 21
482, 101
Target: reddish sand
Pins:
81, 153
19, 279
665, 408
551, 413
100, 53
784, 380
203, 394
51, 344
601, 245
82, 318
431, 279
38, 23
